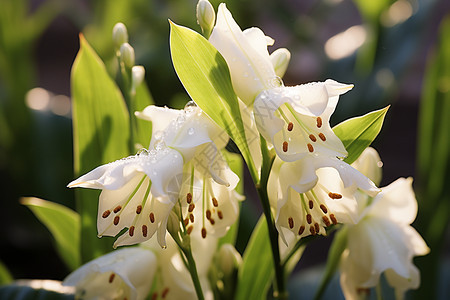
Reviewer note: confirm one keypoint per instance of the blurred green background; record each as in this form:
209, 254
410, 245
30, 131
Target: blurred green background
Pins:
395, 52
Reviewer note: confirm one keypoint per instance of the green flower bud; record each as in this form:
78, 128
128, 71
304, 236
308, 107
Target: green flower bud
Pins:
119, 35
229, 259
137, 76
127, 55
206, 17
280, 59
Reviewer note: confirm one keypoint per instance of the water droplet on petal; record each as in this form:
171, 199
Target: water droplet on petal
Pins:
190, 106
276, 82
245, 74
191, 131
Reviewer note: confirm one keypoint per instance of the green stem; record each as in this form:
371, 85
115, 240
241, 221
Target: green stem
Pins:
194, 274
190, 263
125, 84
261, 186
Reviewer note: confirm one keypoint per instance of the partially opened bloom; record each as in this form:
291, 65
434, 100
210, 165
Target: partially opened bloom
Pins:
122, 274
251, 67
296, 120
383, 241
138, 193
310, 194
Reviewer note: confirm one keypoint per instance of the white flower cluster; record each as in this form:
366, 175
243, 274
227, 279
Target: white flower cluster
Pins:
310, 188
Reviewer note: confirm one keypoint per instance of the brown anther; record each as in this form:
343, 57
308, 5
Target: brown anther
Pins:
310, 148
323, 208
189, 198
291, 222
322, 137
334, 195
116, 220
131, 231
203, 232
189, 230
326, 221
186, 222
212, 221
144, 230
333, 219
309, 218
285, 146
154, 296
312, 137
208, 214
191, 217
360, 291
312, 230
319, 122
117, 209
215, 202
301, 230
220, 214
191, 207
290, 126
111, 277
317, 227
138, 209
164, 293
311, 204
106, 214
152, 217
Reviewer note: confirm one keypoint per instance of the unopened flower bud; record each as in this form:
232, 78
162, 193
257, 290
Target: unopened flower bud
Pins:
127, 55
119, 35
280, 59
137, 76
370, 165
229, 259
206, 17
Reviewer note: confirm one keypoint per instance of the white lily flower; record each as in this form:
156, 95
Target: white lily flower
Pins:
245, 52
312, 193
383, 241
207, 181
188, 131
138, 193
208, 208
122, 274
296, 119
172, 279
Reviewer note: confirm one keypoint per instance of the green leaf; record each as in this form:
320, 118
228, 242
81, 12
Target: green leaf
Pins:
334, 256
101, 135
36, 289
64, 225
257, 270
5, 275
205, 76
358, 133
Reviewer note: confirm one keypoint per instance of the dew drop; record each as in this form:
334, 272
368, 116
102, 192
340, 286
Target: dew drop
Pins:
191, 131
190, 106
276, 82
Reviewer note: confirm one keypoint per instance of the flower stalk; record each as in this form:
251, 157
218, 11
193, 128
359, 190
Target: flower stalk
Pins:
261, 186
189, 261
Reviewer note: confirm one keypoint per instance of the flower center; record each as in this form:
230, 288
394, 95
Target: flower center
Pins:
305, 129
314, 213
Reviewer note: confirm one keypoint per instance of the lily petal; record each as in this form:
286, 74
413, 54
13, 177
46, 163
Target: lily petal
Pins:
125, 273
250, 66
